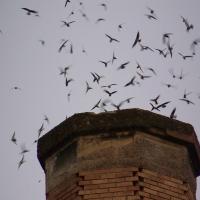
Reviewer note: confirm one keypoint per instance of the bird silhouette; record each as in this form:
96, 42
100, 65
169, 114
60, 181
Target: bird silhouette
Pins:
105, 62
131, 82
155, 100
123, 65
161, 52
87, 87
40, 130
62, 45
152, 70
170, 48
96, 77
22, 161
42, 42
108, 86
186, 94
66, 2
118, 106
23, 149
113, 57
96, 105
194, 44
110, 93
172, 115
185, 56
63, 71
84, 15
104, 6
30, 11
68, 81
143, 47
111, 39
67, 24
187, 101
46, 119
142, 76
100, 20
137, 39
150, 16
13, 138
188, 26
166, 38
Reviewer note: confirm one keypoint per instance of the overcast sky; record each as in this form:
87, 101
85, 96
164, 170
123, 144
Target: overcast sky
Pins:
27, 64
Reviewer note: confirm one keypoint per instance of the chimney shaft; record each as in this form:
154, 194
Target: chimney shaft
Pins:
126, 154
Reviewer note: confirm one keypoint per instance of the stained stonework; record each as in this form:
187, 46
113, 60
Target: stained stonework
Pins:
115, 140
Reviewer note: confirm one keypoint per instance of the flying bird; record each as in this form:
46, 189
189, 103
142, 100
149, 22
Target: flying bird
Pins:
87, 87
123, 65
111, 39
110, 93
108, 86
21, 162
23, 149
118, 106
63, 71
186, 94
46, 119
104, 6
96, 77
29, 11
62, 46
143, 47
185, 56
96, 105
172, 115
166, 37
131, 82
16, 88
40, 130
155, 100
137, 39
143, 76
66, 2
67, 24
113, 57
13, 138
68, 81
100, 20
105, 63
187, 101
150, 16
188, 26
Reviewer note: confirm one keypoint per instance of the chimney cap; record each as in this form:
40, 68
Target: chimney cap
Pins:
121, 120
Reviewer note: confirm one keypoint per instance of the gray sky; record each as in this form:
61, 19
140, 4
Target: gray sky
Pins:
25, 63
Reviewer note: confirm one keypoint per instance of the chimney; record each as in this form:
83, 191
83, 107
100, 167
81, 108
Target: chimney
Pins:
121, 155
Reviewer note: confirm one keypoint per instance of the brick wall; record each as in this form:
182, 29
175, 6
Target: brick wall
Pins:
121, 184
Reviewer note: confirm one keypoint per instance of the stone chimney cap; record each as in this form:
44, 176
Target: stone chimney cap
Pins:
129, 119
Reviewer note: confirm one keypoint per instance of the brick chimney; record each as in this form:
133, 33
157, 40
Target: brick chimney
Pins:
121, 155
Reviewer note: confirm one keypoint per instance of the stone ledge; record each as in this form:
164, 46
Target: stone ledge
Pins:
111, 122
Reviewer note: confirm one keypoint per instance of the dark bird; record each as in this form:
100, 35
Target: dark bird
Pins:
139, 66
87, 87
113, 57
150, 16
96, 77
40, 130
137, 39
171, 71
16, 88
62, 46
105, 63
42, 42
152, 70
84, 15
29, 11
13, 138
63, 71
71, 49
166, 38
120, 26
99, 20
70, 14
170, 48
23, 149
21, 162
187, 101
143, 47
69, 96
46, 119
104, 6
182, 75
67, 24
186, 94
163, 105
111, 39
194, 44
172, 115
118, 106
66, 2
108, 86
154, 107
110, 93
143, 76
151, 10
68, 81
161, 52
185, 56
169, 85
188, 26
155, 100
123, 65
96, 105
131, 82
